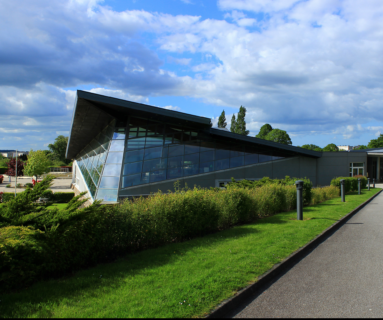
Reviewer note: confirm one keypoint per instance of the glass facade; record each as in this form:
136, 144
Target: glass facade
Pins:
142, 151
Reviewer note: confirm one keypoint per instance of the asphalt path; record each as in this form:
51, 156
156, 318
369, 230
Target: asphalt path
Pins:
341, 277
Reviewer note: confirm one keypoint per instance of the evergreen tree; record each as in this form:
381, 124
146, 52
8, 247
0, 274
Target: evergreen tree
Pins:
265, 129
233, 125
241, 123
222, 120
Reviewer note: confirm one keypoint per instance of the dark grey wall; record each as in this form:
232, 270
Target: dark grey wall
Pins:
337, 164
299, 167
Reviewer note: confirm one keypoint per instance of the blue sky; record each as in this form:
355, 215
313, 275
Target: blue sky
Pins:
310, 67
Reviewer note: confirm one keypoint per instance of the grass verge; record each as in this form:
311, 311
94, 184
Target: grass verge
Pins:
179, 280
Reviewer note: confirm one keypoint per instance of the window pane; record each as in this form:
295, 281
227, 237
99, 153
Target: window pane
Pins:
107, 195
175, 162
117, 145
132, 180
361, 171
191, 169
112, 170
236, 153
358, 164
264, 158
154, 141
106, 145
221, 154
176, 150
222, 164
206, 167
133, 156
354, 172
119, 133
251, 159
207, 156
114, 157
207, 146
145, 177
137, 143
191, 149
168, 139
236, 162
157, 175
175, 173
109, 182
177, 137
153, 153
131, 168
156, 164
132, 132
191, 159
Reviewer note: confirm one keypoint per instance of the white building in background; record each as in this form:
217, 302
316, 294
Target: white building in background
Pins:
12, 153
345, 148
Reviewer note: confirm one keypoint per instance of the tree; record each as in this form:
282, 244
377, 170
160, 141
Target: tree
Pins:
240, 127
233, 124
12, 168
38, 163
222, 120
58, 148
3, 161
331, 147
312, 147
376, 143
265, 129
280, 136
362, 147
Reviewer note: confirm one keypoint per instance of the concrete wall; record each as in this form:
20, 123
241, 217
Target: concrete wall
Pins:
299, 167
337, 164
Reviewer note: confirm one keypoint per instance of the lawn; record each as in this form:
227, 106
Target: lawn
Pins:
179, 280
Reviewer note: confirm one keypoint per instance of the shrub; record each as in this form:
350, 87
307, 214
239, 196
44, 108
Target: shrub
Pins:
324, 193
351, 183
48, 194
30, 185
63, 197
19, 185
8, 186
7, 196
3, 169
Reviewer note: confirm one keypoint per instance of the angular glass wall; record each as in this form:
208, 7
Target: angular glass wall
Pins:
92, 158
156, 152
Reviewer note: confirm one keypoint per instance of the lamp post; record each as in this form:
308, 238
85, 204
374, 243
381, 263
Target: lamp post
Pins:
368, 180
16, 174
299, 185
358, 185
342, 190
373, 182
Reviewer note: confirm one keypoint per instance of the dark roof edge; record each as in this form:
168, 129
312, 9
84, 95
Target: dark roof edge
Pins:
71, 126
367, 150
232, 135
142, 107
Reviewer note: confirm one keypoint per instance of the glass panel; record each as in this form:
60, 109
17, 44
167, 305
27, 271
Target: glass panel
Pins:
133, 156
154, 141
114, 157
132, 180
157, 175
145, 177
119, 133
191, 169
94, 144
175, 173
106, 145
109, 182
136, 143
107, 195
358, 164
251, 159
206, 167
222, 164
160, 129
177, 137
264, 158
191, 149
191, 159
234, 153
175, 162
95, 176
151, 130
236, 162
110, 130
165, 152
168, 139
207, 156
112, 170
361, 171
207, 146
156, 164
117, 145
176, 150
142, 129
142, 133
131, 168
153, 153
354, 171
132, 132
221, 154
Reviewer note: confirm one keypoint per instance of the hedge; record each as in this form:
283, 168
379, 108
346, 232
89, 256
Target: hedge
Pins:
63, 197
351, 183
3, 169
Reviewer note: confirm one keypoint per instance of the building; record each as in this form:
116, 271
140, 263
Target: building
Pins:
345, 148
12, 153
122, 149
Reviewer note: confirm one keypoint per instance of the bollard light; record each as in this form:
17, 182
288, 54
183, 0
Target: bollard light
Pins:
368, 180
373, 182
358, 185
299, 185
342, 190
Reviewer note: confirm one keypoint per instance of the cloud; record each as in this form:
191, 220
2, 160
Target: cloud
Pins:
175, 108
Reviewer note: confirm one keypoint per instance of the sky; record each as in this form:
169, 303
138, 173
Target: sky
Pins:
311, 67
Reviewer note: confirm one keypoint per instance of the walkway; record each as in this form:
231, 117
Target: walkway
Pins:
342, 277
59, 185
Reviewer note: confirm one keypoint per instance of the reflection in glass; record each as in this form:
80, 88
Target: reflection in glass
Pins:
264, 158
133, 156
236, 162
157, 175
154, 141
117, 145
145, 177
176, 150
109, 182
206, 167
107, 195
222, 154
207, 156
112, 170
175, 162
153, 153
119, 133
132, 180
190, 159
191, 149
251, 159
156, 164
114, 157
191, 169
137, 143
175, 173
222, 164
131, 168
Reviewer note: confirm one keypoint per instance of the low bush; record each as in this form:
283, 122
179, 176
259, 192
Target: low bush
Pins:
8, 186
8, 196
324, 193
350, 183
63, 197
30, 185
3, 169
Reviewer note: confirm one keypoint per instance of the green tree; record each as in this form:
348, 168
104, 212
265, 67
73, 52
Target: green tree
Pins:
362, 147
331, 147
58, 148
3, 161
233, 125
264, 131
312, 147
376, 143
240, 127
280, 136
37, 164
222, 120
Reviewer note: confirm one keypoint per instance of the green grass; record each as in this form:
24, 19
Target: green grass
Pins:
202, 272
53, 205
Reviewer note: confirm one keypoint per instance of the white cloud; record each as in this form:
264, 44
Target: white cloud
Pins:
174, 108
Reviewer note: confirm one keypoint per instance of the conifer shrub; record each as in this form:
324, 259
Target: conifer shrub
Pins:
63, 197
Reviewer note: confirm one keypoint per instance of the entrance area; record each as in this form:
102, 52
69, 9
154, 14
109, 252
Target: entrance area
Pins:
375, 168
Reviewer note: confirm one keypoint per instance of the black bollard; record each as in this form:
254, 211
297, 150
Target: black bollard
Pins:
299, 185
373, 182
368, 180
342, 190
359, 186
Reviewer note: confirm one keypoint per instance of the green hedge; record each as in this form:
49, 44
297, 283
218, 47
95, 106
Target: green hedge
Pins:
7, 196
351, 183
3, 169
63, 197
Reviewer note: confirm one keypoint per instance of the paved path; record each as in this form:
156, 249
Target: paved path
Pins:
342, 277
59, 185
